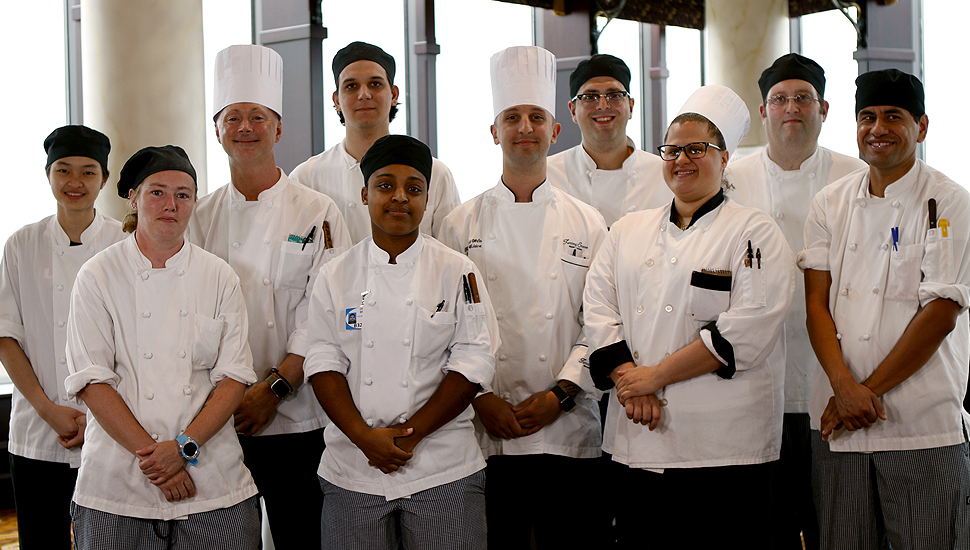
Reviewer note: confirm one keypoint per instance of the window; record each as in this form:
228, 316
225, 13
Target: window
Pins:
684, 65
945, 80
621, 38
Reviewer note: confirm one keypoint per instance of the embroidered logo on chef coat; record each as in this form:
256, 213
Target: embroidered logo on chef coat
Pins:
351, 319
574, 249
472, 243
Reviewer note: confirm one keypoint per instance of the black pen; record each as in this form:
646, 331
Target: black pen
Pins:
759, 258
309, 237
440, 306
931, 206
468, 289
747, 261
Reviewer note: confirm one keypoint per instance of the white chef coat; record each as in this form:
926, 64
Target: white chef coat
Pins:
337, 174
262, 241
637, 185
535, 256
36, 278
163, 338
415, 326
786, 196
876, 291
641, 290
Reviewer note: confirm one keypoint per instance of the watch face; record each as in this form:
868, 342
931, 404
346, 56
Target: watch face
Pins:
190, 449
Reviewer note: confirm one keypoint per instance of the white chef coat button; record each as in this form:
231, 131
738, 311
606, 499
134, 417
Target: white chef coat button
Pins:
649, 263
673, 260
60, 323
59, 287
266, 281
238, 207
875, 290
60, 252
640, 309
187, 390
779, 215
470, 307
410, 265
853, 246
668, 308
885, 246
895, 204
63, 360
492, 277
549, 316
147, 356
351, 205
845, 292
369, 422
404, 383
144, 276
838, 335
553, 276
542, 358
865, 336
155, 437
409, 301
811, 175
370, 343
372, 303
266, 241
377, 271
499, 317
222, 317
270, 324
182, 354
147, 314
402, 419
368, 381
666, 355
663, 227
184, 312
503, 357
636, 355
149, 396
406, 341
269, 205
631, 209
862, 204
235, 245
491, 236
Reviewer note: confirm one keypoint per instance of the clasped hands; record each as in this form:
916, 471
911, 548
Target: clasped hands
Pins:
854, 407
507, 421
636, 389
163, 465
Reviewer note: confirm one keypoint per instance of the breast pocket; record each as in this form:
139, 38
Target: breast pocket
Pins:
937, 264
295, 265
433, 331
207, 337
710, 295
905, 273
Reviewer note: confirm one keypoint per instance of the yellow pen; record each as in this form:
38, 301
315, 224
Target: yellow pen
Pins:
944, 226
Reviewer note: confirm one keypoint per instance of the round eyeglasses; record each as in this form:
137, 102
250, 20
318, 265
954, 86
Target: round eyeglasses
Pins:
592, 100
780, 101
695, 150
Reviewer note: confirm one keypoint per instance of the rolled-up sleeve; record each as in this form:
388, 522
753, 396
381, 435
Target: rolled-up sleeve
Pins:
11, 317
946, 259
476, 338
90, 338
818, 239
324, 353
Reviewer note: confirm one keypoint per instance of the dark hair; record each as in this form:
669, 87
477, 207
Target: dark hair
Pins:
340, 115
716, 136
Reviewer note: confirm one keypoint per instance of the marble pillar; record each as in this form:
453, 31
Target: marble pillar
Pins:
743, 38
143, 82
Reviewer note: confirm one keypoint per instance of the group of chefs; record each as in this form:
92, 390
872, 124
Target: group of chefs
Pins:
389, 368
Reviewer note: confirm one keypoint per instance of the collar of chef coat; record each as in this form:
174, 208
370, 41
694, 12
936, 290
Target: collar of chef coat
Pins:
811, 164
350, 161
142, 263
378, 256
895, 189
61, 238
708, 206
541, 194
266, 194
589, 164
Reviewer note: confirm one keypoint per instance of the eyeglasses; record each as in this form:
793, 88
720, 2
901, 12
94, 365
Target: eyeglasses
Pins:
695, 150
592, 100
802, 100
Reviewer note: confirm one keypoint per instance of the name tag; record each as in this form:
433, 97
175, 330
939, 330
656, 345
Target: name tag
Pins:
352, 320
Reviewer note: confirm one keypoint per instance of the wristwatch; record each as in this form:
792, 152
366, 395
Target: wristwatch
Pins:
189, 449
278, 384
565, 401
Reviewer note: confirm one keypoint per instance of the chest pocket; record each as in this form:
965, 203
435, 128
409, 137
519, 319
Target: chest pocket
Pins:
295, 264
937, 264
904, 273
433, 331
205, 345
710, 295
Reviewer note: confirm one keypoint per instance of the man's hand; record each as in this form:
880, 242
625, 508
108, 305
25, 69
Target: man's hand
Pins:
537, 411
178, 487
256, 410
68, 423
498, 417
378, 445
160, 461
857, 406
638, 381
643, 409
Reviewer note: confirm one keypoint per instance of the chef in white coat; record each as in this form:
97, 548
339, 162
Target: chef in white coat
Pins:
156, 342
606, 170
782, 179
275, 233
402, 338
40, 263
683, 307
887, 285
540, 424
366, 102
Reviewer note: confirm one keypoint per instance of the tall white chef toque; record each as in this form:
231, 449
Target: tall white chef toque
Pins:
523, 75
248, 74
724, 108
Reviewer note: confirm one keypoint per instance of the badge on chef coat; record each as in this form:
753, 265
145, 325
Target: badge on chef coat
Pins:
352, 319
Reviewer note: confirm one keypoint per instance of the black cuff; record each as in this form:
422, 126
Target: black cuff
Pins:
724, 349
604, 361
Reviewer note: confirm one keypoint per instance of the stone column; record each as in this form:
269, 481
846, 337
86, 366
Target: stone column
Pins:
143, 82
743, 38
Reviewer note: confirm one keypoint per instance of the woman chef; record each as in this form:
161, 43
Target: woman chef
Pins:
402, 338
157, 351
683, 306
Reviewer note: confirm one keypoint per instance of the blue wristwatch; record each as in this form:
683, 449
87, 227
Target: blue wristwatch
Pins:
189, 449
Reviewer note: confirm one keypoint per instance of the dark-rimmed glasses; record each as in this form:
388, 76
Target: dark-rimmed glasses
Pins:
592, 100
695, 150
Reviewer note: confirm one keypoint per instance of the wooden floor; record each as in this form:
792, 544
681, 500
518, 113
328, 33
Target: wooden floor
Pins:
8, 530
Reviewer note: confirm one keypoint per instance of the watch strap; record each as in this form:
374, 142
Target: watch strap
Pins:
183, 441
280, 386
565, 400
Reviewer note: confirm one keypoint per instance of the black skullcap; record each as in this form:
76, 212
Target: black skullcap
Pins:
789, 67
362, 51
396, 149
890, 87
152, 160
599, 65
77, 141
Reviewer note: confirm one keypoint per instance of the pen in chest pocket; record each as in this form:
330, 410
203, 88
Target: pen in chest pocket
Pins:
309, 237
931, 208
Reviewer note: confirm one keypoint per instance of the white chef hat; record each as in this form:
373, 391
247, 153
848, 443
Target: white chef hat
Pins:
523, 75
248, 74
724, 108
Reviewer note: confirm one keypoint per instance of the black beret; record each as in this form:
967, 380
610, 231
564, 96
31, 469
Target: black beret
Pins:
792, 67
152, 160
358, 51
396, 149
599, 65
77, 141
890, 87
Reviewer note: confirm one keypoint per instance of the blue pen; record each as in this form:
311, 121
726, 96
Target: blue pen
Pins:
895, 232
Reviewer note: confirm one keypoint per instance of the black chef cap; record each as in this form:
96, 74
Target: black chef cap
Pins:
362, 51
789, 67
599, 65
77, 141
890, 87
152, 160
396, 149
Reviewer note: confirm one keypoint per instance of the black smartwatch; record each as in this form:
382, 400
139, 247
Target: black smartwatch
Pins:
278, 384
565, 401
189, 449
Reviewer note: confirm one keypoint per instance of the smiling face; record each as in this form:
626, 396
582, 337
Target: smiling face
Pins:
364, 96
602, 122
248, 131
164, 202
75, 183
791, 125
396, 197
525, 133
887, 138
693, 180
